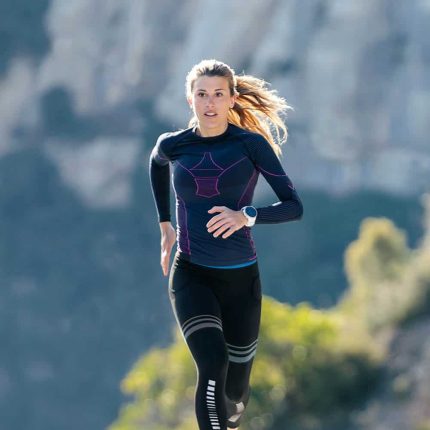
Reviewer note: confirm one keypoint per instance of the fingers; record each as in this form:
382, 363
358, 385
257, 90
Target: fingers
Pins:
165, 265
214, 219
224, 228
226, 223
219, 224
227, 228
216, 209
168, 240
229, 232
165, 259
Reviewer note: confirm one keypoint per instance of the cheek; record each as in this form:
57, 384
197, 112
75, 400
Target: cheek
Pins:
198, 104
225, 106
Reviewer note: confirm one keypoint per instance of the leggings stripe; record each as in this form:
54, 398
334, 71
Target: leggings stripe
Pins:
210, 395
230, 346
201, 321
241, 354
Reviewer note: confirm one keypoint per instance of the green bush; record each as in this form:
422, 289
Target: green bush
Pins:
389, 283
301, 364
310, 363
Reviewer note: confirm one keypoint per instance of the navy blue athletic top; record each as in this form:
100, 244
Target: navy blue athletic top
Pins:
212, 171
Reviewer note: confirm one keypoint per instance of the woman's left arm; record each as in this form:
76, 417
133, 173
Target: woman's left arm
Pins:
289, 207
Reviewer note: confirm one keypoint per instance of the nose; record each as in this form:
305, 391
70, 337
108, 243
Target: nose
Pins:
210, 101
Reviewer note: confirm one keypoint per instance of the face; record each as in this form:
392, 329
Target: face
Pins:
211, 101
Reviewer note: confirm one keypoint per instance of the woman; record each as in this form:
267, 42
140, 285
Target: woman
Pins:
214, 283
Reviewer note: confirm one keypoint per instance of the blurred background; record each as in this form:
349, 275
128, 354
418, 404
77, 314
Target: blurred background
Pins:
87, 334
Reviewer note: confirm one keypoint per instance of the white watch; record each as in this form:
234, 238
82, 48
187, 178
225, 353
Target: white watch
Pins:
251, 215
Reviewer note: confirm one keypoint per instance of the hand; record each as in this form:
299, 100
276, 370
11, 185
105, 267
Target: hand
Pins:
227, 221
168, 239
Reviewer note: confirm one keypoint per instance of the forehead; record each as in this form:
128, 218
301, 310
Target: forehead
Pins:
210, 83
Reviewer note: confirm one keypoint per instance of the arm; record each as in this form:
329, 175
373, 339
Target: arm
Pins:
159, 172
289, 207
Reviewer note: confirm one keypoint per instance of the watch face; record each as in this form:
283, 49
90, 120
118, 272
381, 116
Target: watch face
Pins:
250, 211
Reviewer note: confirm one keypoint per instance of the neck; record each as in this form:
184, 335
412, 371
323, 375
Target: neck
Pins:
211, 132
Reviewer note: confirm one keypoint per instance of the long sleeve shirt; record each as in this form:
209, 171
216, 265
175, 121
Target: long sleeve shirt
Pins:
220, 170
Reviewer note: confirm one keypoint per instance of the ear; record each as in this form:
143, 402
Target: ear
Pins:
233, 102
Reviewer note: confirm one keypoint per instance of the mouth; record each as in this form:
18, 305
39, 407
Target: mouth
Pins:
211, 114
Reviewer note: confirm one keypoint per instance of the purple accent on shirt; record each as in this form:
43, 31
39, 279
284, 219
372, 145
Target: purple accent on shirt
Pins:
273, 174
211, 162
247, 229
231, 165
207, 187
191, 173
246, 188
184, 240
206, 178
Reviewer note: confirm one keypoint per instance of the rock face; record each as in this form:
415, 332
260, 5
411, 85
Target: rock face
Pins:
356, 73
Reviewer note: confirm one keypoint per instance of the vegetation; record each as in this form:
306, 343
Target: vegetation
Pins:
309, 362
301, 353
389, 283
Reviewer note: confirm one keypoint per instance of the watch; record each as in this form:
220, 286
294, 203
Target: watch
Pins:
251, 214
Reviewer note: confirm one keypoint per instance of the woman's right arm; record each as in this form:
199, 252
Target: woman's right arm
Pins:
159, 172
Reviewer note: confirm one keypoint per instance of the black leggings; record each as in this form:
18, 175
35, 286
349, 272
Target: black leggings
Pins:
218, 312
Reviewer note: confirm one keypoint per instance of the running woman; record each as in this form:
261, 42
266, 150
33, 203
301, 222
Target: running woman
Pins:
214, 284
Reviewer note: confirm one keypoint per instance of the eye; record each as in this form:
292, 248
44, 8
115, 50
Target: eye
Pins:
220, 94
200, 94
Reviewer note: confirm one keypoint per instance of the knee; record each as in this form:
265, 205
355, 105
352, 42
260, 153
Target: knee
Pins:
215, 361
239, 393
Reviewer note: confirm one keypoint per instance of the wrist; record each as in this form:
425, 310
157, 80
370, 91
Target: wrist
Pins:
250, 213
164, 225
245, 219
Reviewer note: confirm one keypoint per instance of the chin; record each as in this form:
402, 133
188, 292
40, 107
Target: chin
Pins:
213, 124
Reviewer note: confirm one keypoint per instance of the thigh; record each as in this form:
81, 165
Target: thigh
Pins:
241, 314
194, 303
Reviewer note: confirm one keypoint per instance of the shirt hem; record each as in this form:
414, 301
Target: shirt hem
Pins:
211, 264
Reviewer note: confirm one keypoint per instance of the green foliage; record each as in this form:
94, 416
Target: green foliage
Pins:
300, 362
425, 425
389, 283
316, 370
380, 254
375, 264
163, 384
309, 362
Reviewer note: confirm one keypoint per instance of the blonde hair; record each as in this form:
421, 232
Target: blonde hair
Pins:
257, 108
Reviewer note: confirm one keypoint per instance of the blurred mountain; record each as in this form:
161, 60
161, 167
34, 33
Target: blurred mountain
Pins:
85, 89
356, 74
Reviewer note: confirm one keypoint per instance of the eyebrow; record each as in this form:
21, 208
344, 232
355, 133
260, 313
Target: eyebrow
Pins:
217, 89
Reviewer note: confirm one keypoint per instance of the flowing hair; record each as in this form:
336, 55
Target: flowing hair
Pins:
257, 108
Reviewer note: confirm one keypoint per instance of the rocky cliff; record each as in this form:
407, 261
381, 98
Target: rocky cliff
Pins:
356, 74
